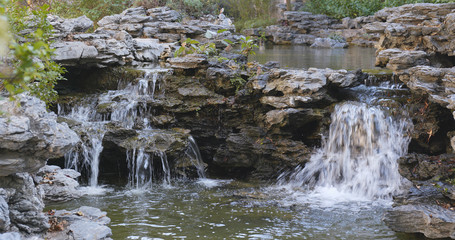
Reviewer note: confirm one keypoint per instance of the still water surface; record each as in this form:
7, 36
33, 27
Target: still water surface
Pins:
351, 58
216, 209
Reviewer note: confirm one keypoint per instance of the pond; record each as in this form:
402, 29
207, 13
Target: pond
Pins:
226, 209
295, 56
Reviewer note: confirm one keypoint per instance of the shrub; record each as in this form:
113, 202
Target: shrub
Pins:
356, 8
30, 65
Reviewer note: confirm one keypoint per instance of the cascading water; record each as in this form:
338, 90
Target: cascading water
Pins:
360, 154
126, 108
195, 155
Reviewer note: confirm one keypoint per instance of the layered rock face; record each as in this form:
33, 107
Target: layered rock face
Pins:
29, 136
417, 44
135, 35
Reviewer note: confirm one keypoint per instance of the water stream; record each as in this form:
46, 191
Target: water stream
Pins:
341, 193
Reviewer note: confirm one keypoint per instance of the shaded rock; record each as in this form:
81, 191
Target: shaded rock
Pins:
421, 167
64, 27
4, 214
84, 223
29, 135
431, 220
59, 184
328, 43
25, 204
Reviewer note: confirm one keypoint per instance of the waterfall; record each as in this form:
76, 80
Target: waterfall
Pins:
195, 155
86, 157
141, 168
360, 155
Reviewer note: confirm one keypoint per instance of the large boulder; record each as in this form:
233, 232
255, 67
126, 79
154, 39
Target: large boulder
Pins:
25, 204
29, 135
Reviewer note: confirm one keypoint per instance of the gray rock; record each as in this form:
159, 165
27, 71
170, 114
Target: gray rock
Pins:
25, 203
84, 223
164, 14
148, 50
29, 135
328, 43
72, 52
58, 184
191, 61
431, 220
10, 236
66, 26
397, 59
4, 215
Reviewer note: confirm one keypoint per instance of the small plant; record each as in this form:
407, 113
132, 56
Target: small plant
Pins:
191, 46
238, 82
337, 37
247, 46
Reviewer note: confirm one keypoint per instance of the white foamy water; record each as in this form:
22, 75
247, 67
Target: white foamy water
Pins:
358, 160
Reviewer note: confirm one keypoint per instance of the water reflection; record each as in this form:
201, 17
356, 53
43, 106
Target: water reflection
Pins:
305, 57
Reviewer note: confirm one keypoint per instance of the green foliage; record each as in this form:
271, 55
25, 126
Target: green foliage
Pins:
195, 8
191, 46
93, 9
356, 8
249, 13
247, 46
238, 82
31, 67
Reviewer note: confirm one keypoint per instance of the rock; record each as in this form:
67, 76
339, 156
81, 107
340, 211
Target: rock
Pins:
29, 135
4, 215
420, 167
148, 50
72, 52
191, 61
84, 223
433, 221
25, 204
59, 184
64, 27
396, 59
329, 43
164, 14
10, 236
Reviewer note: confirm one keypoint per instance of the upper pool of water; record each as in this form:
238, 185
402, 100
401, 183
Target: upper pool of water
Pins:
351, 58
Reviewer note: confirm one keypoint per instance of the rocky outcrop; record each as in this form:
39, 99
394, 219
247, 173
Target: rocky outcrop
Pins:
133, 36
29, 135
25, 204
86, 223
58, 184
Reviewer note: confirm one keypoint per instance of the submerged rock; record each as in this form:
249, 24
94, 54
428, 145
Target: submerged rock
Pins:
29, 135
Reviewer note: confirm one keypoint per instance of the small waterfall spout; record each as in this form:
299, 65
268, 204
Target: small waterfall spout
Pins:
142, 170
195, 155
359, 156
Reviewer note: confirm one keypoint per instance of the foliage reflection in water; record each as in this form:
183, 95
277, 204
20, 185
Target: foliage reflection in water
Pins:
351, 58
